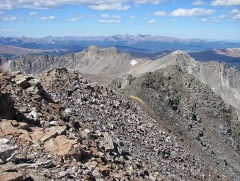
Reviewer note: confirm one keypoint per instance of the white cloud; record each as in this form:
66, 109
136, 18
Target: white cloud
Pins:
198, 3
9, 30
110, 7
221, 17
48, 4
117, 16
8, 18
152, 21
201, 21
6, 5
192, 12
204, 20
33, 13
48, 18
73, 19
109, 21
104, 15
149, 1
235, 11
225, 3
132, 17
236, 17
160, 13
108, 16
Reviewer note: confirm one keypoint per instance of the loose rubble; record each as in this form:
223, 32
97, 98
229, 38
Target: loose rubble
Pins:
202, 121
63, 127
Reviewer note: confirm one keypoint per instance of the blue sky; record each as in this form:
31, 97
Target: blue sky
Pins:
205, 19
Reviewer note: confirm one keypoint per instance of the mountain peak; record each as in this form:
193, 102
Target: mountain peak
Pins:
97, 50
179, 54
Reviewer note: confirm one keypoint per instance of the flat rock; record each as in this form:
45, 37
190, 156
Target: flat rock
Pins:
36, 135
108, 141
61, 145
52, 132
9, 127
6, 149
92, 164
11, 176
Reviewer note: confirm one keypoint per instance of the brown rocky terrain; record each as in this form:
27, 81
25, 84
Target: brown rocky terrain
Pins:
63, 127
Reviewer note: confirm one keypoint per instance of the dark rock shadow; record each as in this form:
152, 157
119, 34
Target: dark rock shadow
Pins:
7, 110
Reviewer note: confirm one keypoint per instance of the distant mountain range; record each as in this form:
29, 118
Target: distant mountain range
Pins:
128, 43
13, 51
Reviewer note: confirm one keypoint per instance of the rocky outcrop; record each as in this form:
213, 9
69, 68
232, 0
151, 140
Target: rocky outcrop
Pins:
75, 129
222, 80
187, 107
3, 60
106, 62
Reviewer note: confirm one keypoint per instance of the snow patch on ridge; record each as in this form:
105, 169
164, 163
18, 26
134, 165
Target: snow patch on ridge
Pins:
134, 62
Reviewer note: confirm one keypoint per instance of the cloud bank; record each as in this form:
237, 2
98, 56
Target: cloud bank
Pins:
97, 5
192, 12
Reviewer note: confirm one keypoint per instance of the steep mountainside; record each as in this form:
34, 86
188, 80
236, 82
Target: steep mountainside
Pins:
64, 127
222, 80
105, 64
108, 62
194, 113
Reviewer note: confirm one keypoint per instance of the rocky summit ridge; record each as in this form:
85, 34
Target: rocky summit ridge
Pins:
194, 113
169, 119
63, 127
95, 60
105, 64
223, 81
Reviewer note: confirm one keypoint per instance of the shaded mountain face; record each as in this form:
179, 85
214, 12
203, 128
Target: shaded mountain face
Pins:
65, 127
193, 112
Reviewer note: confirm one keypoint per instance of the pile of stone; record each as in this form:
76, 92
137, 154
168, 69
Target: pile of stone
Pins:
63, 127
207, 125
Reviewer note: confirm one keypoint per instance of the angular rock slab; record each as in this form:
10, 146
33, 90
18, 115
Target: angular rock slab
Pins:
61, 145
6, 149
11, 176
